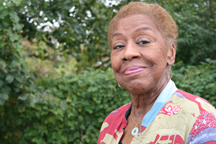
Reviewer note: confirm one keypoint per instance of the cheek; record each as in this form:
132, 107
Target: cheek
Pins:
156, 56
114, 63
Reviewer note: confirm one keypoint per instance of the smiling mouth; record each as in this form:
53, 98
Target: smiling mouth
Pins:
133, 70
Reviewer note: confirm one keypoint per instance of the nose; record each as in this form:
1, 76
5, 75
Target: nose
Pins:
131, 52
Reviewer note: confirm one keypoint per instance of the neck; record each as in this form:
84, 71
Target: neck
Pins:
142, 103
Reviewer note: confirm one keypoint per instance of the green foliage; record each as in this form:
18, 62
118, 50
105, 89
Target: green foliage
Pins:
14, 76
197, 31
44, 61
70, 110
81, 31
198, 80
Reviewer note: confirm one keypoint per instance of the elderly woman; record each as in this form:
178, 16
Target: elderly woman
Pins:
142, 38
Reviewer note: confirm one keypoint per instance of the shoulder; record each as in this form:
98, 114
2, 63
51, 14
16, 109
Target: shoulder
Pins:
203, 105
118, 113
113, 124
204, 127
117, 116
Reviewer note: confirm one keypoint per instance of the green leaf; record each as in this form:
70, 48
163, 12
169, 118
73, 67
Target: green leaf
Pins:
64, 105
3, 14
17, 27
9, 79
19, 79
17, 2
1, 83
6, 89
23, 97
13, 36
1, 102
15, 63
3, 98
14, 17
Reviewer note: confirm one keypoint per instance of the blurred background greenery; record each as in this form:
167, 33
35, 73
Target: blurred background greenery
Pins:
56, 84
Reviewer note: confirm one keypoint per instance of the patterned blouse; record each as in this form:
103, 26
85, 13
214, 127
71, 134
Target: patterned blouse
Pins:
176, 117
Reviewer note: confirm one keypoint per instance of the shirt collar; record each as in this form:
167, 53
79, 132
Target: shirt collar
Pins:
159, 103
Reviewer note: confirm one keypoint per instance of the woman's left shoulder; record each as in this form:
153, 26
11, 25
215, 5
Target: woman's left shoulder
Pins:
204, 124
202, 104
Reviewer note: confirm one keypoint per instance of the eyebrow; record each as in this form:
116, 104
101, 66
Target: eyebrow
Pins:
143, 28
116, 34
137, 30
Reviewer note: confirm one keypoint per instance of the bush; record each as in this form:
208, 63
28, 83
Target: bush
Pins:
198, 80
69, 110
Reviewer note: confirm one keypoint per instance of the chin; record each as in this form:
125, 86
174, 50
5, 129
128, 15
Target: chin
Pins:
137, 88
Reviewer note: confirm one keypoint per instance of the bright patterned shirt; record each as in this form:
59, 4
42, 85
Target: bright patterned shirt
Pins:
176, 117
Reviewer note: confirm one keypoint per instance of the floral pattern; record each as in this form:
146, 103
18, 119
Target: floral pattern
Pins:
170, 110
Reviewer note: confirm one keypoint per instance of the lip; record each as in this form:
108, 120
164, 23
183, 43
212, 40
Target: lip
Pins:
133, 70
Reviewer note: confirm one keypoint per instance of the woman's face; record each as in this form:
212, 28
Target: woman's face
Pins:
139, 54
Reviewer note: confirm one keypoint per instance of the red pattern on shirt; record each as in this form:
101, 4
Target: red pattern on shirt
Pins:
169, 110
205, 120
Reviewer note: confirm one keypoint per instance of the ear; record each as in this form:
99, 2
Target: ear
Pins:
171, 53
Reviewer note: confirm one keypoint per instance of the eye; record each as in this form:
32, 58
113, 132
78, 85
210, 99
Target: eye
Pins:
143, 42
118, 46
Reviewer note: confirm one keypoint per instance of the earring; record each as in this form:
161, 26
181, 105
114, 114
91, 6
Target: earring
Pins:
119, 85
169, 73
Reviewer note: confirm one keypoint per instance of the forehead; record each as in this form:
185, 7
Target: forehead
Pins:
133, 22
